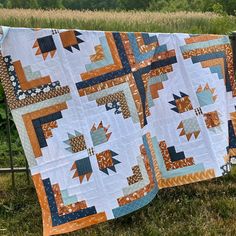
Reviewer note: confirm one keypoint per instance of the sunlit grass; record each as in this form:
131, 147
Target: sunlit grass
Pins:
190, 22
206, 208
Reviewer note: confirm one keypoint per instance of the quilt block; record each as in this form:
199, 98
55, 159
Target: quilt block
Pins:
106, 119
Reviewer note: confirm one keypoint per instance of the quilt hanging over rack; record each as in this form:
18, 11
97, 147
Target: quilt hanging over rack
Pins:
106, 119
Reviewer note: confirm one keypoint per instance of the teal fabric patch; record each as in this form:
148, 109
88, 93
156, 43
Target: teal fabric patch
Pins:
205, 98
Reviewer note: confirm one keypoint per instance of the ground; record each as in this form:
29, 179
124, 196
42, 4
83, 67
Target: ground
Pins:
206, 208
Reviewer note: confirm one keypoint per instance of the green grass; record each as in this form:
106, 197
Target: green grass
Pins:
17, 150
189, 22
206, 208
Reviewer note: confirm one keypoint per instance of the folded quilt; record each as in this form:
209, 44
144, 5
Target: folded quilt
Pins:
106, 119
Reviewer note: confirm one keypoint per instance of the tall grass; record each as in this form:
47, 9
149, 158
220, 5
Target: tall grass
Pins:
189, 22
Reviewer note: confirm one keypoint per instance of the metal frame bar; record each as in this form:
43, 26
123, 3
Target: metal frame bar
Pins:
15, 169
12, 169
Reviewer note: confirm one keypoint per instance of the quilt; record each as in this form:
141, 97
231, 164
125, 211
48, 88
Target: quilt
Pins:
106, 119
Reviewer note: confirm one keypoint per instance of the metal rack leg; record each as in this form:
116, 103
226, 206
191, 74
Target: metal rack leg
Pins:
10, 144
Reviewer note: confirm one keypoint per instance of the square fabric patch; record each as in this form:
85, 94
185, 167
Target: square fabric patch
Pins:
106, 119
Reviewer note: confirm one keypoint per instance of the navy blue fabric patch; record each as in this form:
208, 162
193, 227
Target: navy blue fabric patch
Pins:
62, 219
37, 123
46, 44
175, 156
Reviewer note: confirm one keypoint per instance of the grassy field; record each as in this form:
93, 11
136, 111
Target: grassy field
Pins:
207, 208
122, 21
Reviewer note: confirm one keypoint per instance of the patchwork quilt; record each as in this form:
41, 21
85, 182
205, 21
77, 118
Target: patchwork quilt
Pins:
106, 119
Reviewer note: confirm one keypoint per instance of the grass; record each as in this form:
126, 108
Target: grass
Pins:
189, 22
206, 208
